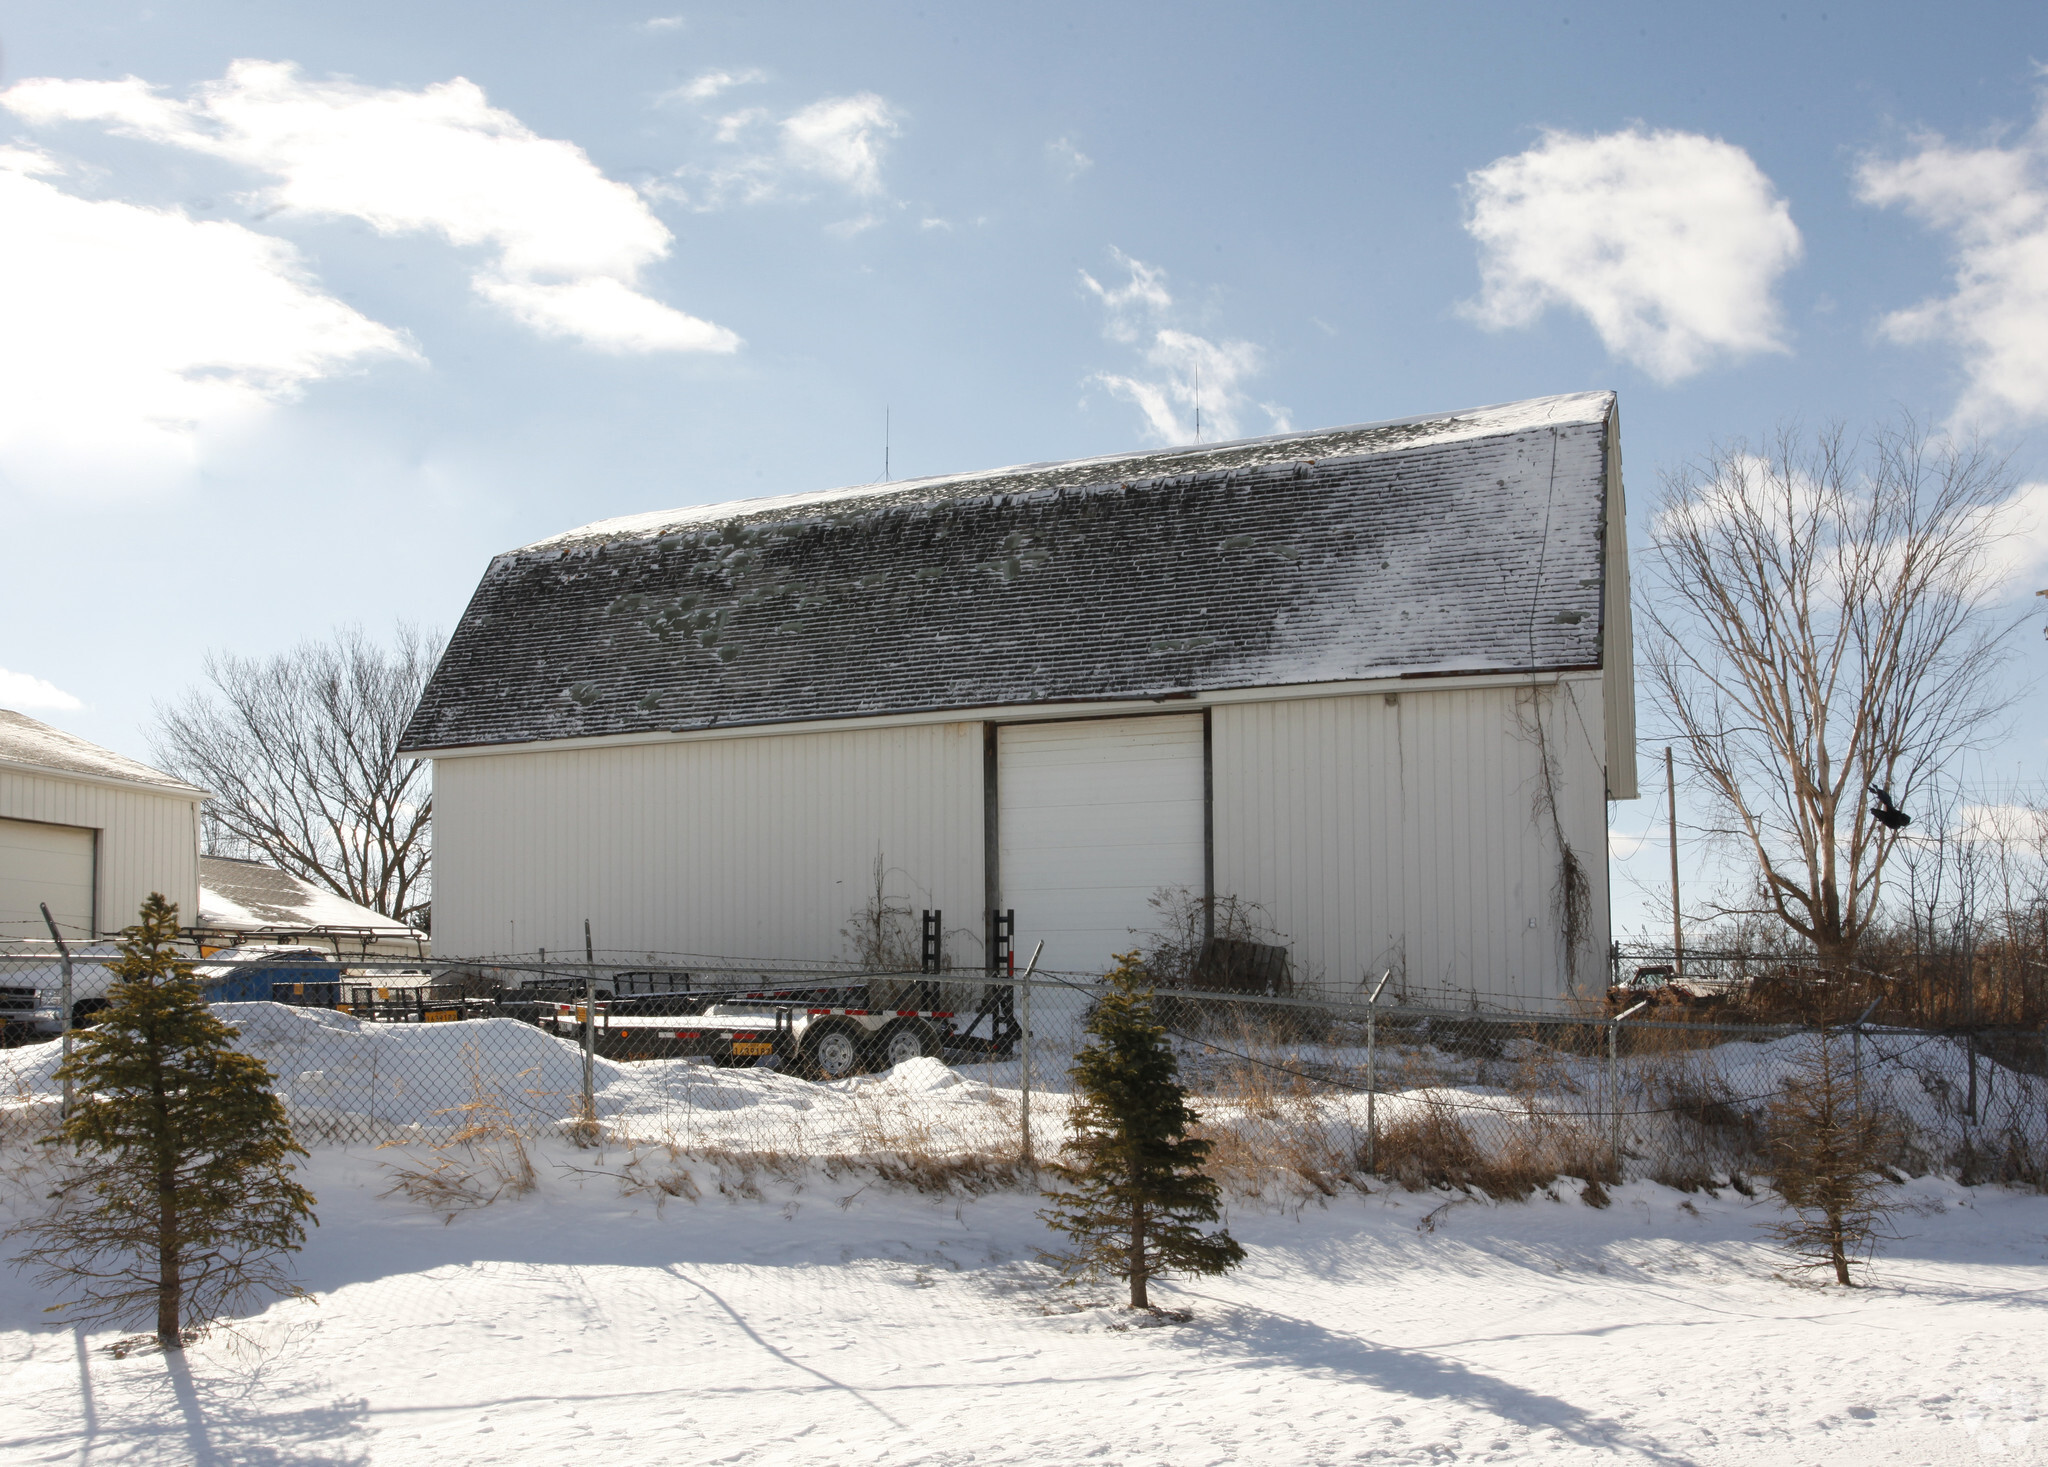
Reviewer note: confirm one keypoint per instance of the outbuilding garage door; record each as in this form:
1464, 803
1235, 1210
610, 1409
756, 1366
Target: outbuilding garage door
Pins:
1092, 819
45, 863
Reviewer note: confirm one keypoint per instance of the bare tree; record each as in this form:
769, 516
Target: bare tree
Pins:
301, 753
1818, 620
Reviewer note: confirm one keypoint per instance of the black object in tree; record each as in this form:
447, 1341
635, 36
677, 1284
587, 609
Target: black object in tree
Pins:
1890, 816
1134, 1189
176, 1201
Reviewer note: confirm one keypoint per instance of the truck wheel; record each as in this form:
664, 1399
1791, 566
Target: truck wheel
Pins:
833, 1052
906, 1042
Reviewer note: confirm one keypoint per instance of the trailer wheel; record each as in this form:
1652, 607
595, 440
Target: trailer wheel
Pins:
832, 1051
905, 1042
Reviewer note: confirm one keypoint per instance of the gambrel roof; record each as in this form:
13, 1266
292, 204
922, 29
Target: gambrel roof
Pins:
1464, 542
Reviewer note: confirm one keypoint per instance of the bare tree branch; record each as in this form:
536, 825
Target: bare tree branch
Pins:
1818, 618
301, 753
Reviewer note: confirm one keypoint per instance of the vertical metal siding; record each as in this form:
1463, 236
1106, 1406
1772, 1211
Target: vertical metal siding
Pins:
148, 842
761, 847
1408, 834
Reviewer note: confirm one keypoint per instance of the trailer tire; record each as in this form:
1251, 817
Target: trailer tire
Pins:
832, 1051
901, 1042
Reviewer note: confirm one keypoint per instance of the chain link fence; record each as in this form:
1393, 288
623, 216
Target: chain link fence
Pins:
947, 1074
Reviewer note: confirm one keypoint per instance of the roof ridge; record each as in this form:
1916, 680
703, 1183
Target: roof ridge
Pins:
1483, 421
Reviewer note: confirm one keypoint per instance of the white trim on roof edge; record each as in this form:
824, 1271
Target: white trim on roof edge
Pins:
1027, 712
168, 791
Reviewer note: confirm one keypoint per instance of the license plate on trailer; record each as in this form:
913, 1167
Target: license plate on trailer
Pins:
741, 1046
440, 1016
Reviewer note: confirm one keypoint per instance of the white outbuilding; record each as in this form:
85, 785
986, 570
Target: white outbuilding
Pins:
1375, 680
89, 832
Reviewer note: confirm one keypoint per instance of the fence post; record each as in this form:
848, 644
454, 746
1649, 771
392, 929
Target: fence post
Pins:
1025, 1047
1614, 1081
63, 1004
1372, 1078
590, 1051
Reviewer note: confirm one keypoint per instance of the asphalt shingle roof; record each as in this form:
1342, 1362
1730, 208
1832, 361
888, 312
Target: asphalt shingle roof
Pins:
1465, 542
29, 743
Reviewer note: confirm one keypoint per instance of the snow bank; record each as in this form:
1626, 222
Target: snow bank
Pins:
349, 1079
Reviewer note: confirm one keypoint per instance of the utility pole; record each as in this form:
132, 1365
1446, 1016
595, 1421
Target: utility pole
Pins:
1677, 920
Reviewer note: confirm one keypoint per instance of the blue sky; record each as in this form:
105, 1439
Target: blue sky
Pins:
305, 311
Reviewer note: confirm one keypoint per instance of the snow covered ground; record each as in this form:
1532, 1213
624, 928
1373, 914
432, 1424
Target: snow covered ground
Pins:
823, 1319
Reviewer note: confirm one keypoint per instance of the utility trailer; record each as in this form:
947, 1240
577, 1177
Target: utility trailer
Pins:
825, 1029
826, 1040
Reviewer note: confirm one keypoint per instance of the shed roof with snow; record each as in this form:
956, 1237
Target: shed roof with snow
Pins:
237, 895
28, 744
1464, 542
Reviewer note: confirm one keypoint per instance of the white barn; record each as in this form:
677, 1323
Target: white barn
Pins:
89, 832
1375, 679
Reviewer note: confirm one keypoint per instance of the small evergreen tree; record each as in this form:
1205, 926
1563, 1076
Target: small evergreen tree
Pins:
176, 1199
1829, 1147
1134, 1185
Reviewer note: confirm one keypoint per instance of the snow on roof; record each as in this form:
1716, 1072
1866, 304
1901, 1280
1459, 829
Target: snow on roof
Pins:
248, 896
25, 741
1359, 438
1464, 542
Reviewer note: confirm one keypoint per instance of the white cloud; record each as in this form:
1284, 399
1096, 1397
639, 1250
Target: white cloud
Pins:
841, 139
660, 23
2019, 556
1195, 388
19, 691
132, 333
567, 245
1992, 202
711, 84
1067, 159
1132, 304
1670, 243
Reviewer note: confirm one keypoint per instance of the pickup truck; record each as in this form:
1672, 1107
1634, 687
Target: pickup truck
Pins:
32, 989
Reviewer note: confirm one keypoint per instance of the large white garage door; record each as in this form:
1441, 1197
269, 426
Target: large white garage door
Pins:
1092, 819
45, 863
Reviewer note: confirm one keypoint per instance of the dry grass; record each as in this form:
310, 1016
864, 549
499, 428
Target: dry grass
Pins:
1433, 1146
483, 1159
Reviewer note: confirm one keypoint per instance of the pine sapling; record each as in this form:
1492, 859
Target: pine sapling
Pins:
1134, 1187
176, 1200
1829, 1147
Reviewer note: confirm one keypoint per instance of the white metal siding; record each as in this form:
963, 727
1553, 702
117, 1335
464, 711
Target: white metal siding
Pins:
45, 864
147, 842
1094, 817
761, 847
1406, 832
